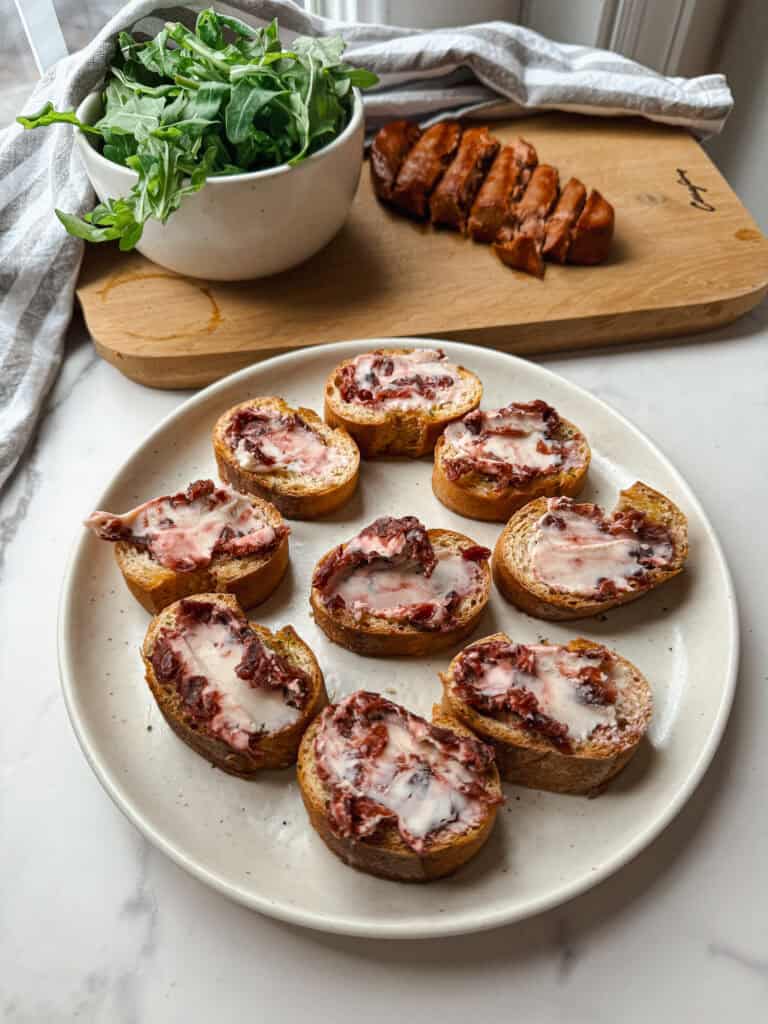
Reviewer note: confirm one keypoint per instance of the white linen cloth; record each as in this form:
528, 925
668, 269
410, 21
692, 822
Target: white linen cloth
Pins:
496, 67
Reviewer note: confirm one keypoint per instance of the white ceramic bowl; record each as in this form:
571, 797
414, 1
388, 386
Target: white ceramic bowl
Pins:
245, 225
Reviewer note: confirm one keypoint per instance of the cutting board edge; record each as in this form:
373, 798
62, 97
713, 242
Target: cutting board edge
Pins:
543, 337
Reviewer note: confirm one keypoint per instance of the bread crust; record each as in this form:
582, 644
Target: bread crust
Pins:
250, 580
377, 637
296, 497
275, 750
512, 576
385, 854
411, 432
527, 759
475, 499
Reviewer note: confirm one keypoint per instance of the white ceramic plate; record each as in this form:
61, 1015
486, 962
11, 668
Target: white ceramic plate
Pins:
251, 840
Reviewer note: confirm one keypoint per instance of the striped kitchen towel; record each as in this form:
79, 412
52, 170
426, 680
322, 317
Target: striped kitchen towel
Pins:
497, 68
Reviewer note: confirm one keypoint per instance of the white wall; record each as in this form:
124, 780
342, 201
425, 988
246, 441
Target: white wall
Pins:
741, 151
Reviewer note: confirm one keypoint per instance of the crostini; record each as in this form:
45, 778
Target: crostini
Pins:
393, 795
397, 401
491, 462
206, 538
561, 717
236, 693
399, 589
558, 559
288, 456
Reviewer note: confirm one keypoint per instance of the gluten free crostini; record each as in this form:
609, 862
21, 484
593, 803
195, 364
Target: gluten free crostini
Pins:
236, 693
394, 795
397, 401
206, 538
400, 589
492, 462
288, 456
565, 718
558, 559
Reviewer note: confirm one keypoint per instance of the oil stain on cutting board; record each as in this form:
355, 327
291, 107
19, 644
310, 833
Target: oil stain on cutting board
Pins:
686, 257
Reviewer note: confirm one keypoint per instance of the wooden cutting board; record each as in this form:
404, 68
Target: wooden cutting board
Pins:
687, 257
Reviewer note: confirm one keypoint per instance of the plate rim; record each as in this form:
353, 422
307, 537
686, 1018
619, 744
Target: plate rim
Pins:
457, 924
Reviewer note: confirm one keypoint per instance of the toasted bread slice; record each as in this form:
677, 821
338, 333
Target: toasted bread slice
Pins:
478, 495
378, 636
319, 474
531, 758
384, 852
515, 549
197, 541
381, 428
275, 749
250, 580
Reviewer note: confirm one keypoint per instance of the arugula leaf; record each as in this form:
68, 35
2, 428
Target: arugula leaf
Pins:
237, 26
359, 77
48, 116
324, 51
118, 148
246, 101
127, 46
188, 40
206, 102
107, 222
157, 57
226, 98
208, 28
258, 149
131, 115
81, 228
139, 87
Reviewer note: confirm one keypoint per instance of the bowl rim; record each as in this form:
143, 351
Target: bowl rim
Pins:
91, 153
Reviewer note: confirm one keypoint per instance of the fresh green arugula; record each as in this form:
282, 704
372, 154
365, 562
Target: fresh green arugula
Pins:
224, 99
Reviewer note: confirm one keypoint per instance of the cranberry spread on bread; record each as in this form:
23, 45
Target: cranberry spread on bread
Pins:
289, 456
562, 717
508, 446
576, 548
558, 559
556, 693
264, 440
491, 462
398, 588
397, 401
420, 378
206, 538
390, 570
383, 764
228, 680
393, 794
235, 692
185, 531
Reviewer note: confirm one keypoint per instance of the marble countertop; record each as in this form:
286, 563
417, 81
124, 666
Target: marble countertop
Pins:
96, 925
